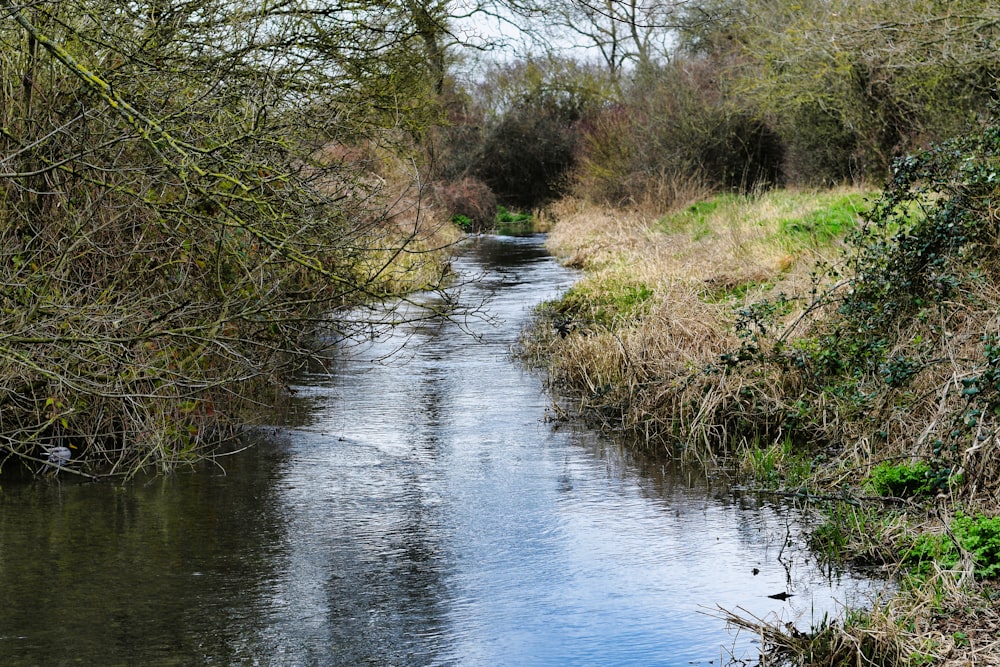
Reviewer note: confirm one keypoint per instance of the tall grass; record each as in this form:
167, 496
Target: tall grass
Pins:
654, 314
766, 344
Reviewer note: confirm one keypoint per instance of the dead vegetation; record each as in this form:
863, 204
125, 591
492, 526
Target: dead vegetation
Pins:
654, 316
743, 334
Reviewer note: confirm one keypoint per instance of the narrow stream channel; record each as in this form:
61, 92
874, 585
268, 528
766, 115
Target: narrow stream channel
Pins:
415, 509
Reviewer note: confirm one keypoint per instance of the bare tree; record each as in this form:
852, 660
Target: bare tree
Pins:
190, 190
624, 33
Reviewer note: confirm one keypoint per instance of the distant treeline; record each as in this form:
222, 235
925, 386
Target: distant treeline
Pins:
747, 95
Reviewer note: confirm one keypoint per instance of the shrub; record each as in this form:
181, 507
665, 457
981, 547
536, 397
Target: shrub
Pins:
468, 198
979, 535
526, 156
529, 138
820, 150
675, 122
903, 480
906, 324
462, 222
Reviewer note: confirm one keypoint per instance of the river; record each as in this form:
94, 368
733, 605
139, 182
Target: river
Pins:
413, 507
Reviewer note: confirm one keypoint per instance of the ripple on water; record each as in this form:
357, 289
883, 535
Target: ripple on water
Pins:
417, 511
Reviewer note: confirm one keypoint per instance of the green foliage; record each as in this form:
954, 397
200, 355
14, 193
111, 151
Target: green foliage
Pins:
462, 222
928, 549
505, 217
755, 327
855, 530
606, 303
780, 464
925, 247
979, 535
514, 223
926, 242
830, 539
904, 480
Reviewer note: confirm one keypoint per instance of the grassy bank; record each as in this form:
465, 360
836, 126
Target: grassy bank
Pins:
656, 310
839, 346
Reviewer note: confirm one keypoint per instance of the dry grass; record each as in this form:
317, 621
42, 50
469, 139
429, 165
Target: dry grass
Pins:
640, 341
654, 369
646, 374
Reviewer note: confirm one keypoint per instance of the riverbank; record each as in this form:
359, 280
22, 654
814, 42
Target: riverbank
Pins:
408, 507
785, 339
131, 347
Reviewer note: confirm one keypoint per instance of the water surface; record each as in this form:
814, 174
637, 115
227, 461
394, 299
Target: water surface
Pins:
416, 507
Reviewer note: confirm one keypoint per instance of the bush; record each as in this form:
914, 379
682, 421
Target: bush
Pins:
896, 351
978, 535
903, 480
468, 198
527, 155
518, 133
820, 150
674, 125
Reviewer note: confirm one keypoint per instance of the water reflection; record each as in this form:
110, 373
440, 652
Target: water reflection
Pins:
417, 510
155, 574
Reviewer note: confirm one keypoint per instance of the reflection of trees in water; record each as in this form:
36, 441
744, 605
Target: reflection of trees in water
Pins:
386, 588
494, 254
155, 573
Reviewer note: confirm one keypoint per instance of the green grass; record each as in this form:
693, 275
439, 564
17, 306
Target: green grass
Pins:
737, 292
833, 220
795, 219
780, 464
607, 301
697, 219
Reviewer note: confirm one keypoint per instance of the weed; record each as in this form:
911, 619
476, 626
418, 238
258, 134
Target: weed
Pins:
978, 536
903, 480
779, 464
865, 535
462, 222
507, 217
513, 223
